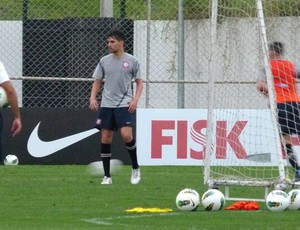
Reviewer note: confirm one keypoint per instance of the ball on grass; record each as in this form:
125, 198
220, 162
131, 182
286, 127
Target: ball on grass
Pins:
3, 98
187, 200
294, 196
96, 168
11, 159
213, 200
277, 201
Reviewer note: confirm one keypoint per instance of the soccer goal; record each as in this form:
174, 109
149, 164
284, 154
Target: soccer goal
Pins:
243, 144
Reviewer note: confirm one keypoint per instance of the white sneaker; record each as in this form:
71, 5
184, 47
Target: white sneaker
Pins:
135, 176
106, 180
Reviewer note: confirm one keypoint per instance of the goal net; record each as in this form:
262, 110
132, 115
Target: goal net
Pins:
243, 142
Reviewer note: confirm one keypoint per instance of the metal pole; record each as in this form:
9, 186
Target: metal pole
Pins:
148, 52
122, 8
180, 88
209, 151
106, 8
25, 10
270, 85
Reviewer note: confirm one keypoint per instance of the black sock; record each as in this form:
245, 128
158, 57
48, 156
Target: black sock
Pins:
106, 156
131, 148
291, 156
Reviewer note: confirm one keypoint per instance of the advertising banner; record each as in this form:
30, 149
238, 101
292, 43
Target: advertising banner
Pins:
57, 136
177, 136
164, 137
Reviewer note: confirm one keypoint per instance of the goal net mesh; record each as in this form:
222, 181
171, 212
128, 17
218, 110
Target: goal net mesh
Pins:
244, 146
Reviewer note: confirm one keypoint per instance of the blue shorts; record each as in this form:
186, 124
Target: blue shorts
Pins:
289, 117
114, 118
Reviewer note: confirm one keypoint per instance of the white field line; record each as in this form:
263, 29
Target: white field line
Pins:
110, 220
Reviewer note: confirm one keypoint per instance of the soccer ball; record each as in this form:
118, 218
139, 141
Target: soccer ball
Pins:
11, 160
3, 98
187, 200
213, 200
277, 201
294, 196
96, 168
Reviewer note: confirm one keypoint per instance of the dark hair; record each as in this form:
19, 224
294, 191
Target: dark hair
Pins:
117, 34
277, 47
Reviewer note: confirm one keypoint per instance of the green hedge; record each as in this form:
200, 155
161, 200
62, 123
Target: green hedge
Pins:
137, 9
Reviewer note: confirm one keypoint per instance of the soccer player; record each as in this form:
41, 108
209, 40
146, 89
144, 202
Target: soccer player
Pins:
13, 102
117, 71
288, 107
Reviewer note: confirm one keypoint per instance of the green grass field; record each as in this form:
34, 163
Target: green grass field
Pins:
67, 197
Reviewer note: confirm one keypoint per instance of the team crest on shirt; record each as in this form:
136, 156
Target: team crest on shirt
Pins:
125, 64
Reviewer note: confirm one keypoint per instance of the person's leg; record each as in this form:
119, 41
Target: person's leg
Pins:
288, 118
127, 137
295, 130
291, 155
105, 123
126, 133
124, 121
106, 140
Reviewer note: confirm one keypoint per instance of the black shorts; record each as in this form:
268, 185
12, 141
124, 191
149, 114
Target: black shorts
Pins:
114, 118
289, 117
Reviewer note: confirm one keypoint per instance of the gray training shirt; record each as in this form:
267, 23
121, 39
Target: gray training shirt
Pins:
118, 74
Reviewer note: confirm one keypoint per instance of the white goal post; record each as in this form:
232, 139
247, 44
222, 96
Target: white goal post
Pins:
234, 31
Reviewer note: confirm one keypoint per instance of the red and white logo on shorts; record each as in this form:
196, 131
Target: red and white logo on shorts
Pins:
98, 122
125, 64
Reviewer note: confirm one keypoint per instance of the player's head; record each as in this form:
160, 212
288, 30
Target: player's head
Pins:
276, 48
115, 41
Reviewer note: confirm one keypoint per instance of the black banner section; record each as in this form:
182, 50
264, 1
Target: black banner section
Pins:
55, 124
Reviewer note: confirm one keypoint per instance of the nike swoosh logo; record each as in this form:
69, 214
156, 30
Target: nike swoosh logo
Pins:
38, 148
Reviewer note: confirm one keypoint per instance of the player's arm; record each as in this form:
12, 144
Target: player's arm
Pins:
297, 67
98, 75
262, 87
13, 102
261, 84
94, 105
138, 92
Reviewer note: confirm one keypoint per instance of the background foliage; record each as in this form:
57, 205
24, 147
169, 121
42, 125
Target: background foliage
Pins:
137, 9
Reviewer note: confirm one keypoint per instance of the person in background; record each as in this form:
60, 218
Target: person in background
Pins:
284, 74
119, 69
12, 98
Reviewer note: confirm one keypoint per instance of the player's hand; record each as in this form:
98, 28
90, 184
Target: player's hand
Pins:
132, 106
94, 105
16, 126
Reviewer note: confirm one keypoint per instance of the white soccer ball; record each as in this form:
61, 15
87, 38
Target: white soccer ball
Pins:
213, 200
96, 168
11, 160
294, 196
277, 201
187, 200
3, 98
